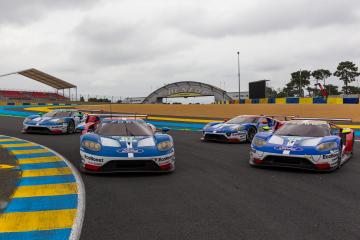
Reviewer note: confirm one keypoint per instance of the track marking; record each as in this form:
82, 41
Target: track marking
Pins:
5, 166
28, 221
39, 182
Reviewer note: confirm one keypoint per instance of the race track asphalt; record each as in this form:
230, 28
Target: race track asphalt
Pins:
214, 194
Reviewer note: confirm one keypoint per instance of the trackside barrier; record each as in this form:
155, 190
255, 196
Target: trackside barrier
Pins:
271, 101
280, 100
351, 101
263, 100
255, 101
319, 100
292, 100
247, 101
335, 101
306, 101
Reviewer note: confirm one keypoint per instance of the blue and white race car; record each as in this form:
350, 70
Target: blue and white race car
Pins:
239, 129
125, 144
307, 144
56, 121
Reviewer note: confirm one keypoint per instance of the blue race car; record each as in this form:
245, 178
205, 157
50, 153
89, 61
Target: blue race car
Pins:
126, 144
239, 129
56, 121
312, 144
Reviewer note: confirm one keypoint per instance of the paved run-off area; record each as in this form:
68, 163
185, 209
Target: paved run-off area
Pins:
213, 194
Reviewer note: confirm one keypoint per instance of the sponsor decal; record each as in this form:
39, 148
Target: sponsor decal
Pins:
333, 155
288, 148
130, 150
93, 159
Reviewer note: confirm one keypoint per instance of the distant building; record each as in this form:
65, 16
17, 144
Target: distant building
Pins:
133, 100
235, 95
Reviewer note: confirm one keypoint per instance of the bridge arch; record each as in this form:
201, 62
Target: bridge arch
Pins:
187, 89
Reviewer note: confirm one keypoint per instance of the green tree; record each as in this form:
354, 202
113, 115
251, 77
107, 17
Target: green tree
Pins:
332, 89
270, 92
352, 90
299, 81
347, 72
320, 75
82, 99
314, 91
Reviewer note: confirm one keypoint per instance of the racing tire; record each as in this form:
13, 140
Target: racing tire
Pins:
250, 134
71, 127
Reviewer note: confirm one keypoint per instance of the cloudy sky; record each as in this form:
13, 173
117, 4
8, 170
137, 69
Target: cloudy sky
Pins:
131, 47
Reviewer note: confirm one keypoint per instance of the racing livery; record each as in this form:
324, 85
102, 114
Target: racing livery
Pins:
56, 121
315, 144
125, 144
239, 129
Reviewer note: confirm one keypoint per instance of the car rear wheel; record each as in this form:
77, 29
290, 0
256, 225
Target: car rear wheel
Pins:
71, 127
250, 134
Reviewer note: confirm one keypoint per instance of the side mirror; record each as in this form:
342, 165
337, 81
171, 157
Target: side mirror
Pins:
165, 129
346, 131
266, 128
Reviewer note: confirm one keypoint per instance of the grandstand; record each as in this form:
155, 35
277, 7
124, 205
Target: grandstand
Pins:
10, 95
37, 96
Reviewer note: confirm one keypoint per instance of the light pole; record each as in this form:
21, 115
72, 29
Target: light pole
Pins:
300, 93
238, 53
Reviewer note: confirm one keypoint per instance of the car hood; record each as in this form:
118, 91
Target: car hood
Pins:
223, 127
131, 146
292, 141
42, 120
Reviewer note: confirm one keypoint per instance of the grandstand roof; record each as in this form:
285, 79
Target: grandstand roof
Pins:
43, 78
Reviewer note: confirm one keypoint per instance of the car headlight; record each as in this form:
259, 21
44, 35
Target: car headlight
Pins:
27, 120
327, 146
163, 146
258, 142
207, 126
93, 146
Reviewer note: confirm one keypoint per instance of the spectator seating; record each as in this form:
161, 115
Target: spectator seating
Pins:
27, 95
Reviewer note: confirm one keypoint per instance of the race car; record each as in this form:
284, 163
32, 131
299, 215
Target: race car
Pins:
89, 123
239, 129
126, 144
56, 121
314, 144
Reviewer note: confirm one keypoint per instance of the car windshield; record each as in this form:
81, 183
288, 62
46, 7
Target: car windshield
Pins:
243, 119
131, 128
57, 114
304, 130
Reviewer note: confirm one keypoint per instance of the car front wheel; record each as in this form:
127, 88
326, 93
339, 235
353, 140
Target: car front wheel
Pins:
71, 127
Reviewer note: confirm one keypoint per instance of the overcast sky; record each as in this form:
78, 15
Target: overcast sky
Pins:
131, 47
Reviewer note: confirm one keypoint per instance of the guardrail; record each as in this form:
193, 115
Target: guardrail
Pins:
295, 100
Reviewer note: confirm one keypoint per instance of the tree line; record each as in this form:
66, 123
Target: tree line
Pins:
346, 71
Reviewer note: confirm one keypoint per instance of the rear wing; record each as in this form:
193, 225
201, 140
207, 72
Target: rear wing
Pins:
331, 120
108, 115
89, 111
286, 118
